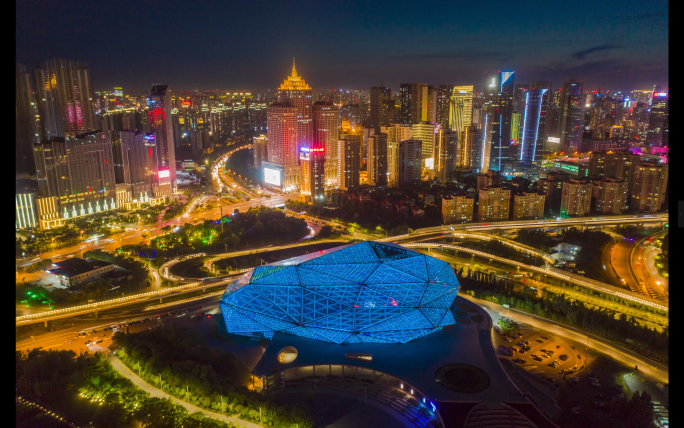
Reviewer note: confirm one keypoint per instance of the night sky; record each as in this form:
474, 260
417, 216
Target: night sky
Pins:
249, 44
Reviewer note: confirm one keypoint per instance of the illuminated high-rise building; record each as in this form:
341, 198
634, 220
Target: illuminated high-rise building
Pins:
160, 123
75, 177
395, 133
648, 182
461, 108
443, 109
282, 144
349, 151
656, 120
295, 91
260, 145
312, 164
405, 103
534, 125
425, 132
410, 160
446, 147
571, 117
27, 121
64, 91
378, 97
377, 160
139, 165
326, 134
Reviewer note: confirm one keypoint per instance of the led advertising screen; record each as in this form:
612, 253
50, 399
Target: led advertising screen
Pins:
554, 140
163, 174
430, 163
272, 176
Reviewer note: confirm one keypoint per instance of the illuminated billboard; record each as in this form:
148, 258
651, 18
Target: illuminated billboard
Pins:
554, 140
163, 174
430, 163
149, 139
272, 176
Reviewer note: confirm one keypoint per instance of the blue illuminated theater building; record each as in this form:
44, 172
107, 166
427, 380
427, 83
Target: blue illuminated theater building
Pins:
368, 292
383, 323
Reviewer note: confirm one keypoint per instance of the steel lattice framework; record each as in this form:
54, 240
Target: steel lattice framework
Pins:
366, 292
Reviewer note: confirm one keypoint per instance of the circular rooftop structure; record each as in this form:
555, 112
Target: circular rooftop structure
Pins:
367, 292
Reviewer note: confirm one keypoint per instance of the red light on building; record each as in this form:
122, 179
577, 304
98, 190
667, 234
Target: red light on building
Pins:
150, 151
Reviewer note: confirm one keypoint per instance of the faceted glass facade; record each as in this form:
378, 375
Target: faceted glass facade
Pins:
366, 292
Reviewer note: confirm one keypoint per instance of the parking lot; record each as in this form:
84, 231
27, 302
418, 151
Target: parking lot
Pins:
541, 354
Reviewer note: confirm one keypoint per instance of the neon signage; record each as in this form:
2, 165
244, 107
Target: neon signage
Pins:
660, 94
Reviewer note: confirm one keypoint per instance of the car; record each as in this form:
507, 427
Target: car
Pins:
522, 345
557, 346
550, 352
522, 360
544, 356
545, 338
507, 339
550, 379
539, 340
522, 351
537, 358
526, 342
535, 355
543, 350
572, 347
579, 357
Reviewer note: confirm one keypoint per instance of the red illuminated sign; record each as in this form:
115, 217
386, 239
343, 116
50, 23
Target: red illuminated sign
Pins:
319, 149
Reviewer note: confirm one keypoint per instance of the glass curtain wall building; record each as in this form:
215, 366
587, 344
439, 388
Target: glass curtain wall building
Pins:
366, 292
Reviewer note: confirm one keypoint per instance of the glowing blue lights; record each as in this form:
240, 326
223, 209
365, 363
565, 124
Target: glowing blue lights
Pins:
367, 292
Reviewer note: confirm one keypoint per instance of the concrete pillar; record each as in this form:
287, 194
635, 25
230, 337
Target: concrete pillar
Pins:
45, 324
96, 314
473, 257
160, 299
518, 267
204, 290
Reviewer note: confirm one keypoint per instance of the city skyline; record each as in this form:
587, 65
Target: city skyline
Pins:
366, 45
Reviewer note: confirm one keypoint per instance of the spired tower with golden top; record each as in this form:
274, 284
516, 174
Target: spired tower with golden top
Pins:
295, 91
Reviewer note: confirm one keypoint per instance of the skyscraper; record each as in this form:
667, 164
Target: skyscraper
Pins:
141, 175
534, 125
160, 123
405, 101
349, 151
571, 117
409, 161
27, 121
377, 159
75, 177
378, 97
461, 108
395, 134
64, 90
446, 145
425, 132
656, 120
326, 134
444, 94
295, 91
419, 101
282, 143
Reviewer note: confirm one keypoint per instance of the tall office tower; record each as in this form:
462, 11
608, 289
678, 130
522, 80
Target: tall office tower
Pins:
295, 91
619, 111
444, 94
159, 123
493, 204
534, 126
410, 155
27, 121
501, 135
312, 163
648, 186
490, 86
282, 144
457, 209
260, 145
240, 118
446, 147
469, 137
64, 90
519, 97
461, 108
395, 133
349, 151
665, 142
571, 117
612, 196
596, 114
405, 102
75, 177
378, 97
656, 120
576, 198
388, 111
429, 104
367, 133
490, 122
528, 206
425, 132
326, 134
139, 166
419, 101
377, 160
